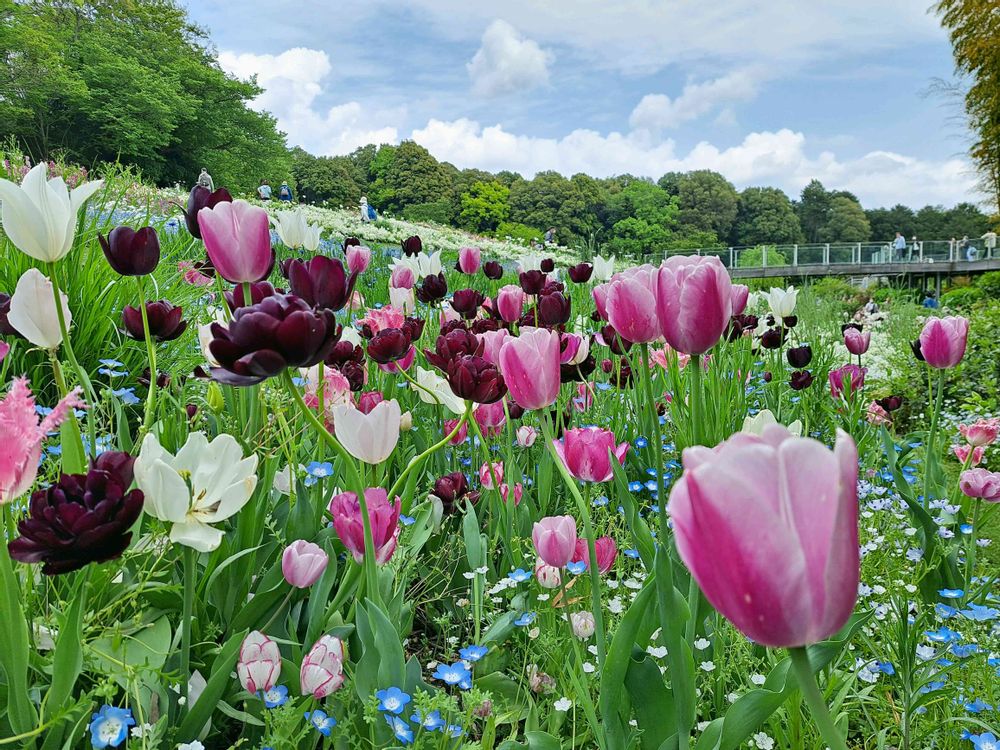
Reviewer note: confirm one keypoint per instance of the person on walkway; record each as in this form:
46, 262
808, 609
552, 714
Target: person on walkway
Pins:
968, 247
550, 236
914, 249
898, 246
205, 180
363, 208
285, 192
264, 191
930, 301
871, 307
989, 242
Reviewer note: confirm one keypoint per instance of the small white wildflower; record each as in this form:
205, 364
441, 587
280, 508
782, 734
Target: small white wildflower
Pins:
563, 704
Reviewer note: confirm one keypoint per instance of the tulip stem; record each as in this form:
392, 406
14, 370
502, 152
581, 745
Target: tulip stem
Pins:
657, 447
418, 459
595, 574
147, 419
188, 606
931, 458
814, 699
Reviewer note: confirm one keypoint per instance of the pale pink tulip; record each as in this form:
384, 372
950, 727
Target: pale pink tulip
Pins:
302, 563
490, 418
492, 343
469, 260
554, 538
368, 437
741, 294
694, 302
259, 662
510, 303
606, 550
402, 277
857, 343
631, 304
237, 237
982, 484
322, 671
358, 258
530, 367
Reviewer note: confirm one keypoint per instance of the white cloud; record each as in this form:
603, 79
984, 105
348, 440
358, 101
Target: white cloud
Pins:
656, 112
506, 62
292, 83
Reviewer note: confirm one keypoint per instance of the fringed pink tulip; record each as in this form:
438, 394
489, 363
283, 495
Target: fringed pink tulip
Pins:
21, 447
302, 563
237, 237
383, 516
966, 453
768, 527
259, 663
322, 671
982, 432
586, 451
631, 304
530, 367
943, 340
694, 302
981, 484
554, 538
606, 550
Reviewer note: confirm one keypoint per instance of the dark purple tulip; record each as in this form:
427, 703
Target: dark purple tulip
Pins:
553, 309
547, 266
890, 403
191, 410
129, 252
917, 352
388, 345
577, 373
492, 270
165, 322
466, 302
514, 410
790, 322
6, 329
258, 292
532, 282
799, 356
613, 341
432, 289
414, 327
621, 377
322, 282
350, 242
81, 519
454, 344
412, 245
263, 339
452, 325
800, 380
201, 197
475, 379
768, 377
452, 488
855, 326
345, 351
355, 374
162, 379
581, 273
772, 338
482, 325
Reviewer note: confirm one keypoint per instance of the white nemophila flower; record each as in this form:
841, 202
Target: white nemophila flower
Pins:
707, 666
588, 667
563, 704
615, 606
206, 482
763, 741
40, 215
702, 643
657, 652
758, 679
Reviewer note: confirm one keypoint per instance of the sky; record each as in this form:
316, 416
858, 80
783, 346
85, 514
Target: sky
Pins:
767, 93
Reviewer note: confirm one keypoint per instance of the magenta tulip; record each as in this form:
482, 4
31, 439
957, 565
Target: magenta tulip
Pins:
493, 341
469, 260
510, 303
302, 563
605, 548
554, 538
237, 237
586, 451
358, 258
694, 302
981, 484
600, 296
768, 527
322, 671
383, 516
530, 367
259, 663
631, 304
741, 295
857, 343
846, 380
943, 340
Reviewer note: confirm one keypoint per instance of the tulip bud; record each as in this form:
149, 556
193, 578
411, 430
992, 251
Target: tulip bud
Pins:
302, 563
214, 398
583, 624
492, 270
322, 671
165, 322
548, 575
259, 663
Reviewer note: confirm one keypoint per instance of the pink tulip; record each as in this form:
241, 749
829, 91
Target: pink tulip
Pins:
982, 432
368, 437
962, 453
461, 435
368, 400
488, 471
574, 349
23, 434
554, 538
4, 350
584, 451
694, 302
237, 237
518, 493
943, 340
490, 418
548, 575
600, 295
492, 342
876, 415
606, 550
768, 527
379, 318
631, 304
982, 484
383, 516
469, 260
302, 563
402, 277
846, 380
530, 367
857, 343
259, 663
526, 435
403, 363
741, 294
322, 671
358, 258
510, 303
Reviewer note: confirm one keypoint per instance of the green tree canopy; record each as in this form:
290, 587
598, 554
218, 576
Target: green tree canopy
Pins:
485, 205
813, 209
707, 202
765, 217
845, 222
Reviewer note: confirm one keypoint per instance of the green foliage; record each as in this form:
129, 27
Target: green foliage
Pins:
989, 283
765, 215
327, 180
551, 200
885, 222
649, 217
708, 202
813, 209
753, 257
517, 231
406, 175
845, 222
484, 206
436, 211
961, 297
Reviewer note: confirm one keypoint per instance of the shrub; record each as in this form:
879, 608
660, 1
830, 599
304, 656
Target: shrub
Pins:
518, 231
435, 211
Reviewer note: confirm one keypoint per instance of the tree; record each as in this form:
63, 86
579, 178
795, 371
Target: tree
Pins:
885, 222
813, 209
707, 202
485, 206
551, 200
764, 217
648, 217
330, 180
411, 177
845, 222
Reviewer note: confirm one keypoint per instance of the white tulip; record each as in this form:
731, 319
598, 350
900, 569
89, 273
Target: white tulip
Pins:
352, 335
39, 215
402, 299
33, 310
604, 268
421, 264
205, 483
756, 424
441, 390
529, 262
782, 302
295, 231
368, 437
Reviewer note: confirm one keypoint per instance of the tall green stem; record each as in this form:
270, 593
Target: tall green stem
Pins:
814, 699
931, 458
186, 615
661, 501
147, 420
419, 458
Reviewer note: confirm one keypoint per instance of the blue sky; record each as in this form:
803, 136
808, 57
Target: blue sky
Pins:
772, 93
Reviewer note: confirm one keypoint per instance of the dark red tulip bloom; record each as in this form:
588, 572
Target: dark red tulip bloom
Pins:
552, 286
258, 292
800, 380
917, 352
414, 327
452, 325
201, 197
466, 302
553, 309
432, 289
482, 325
740, 324
532, 282
547, 266
350, 242
475, 379
191, 410
263, 339
162, 379
581, 273
6, 329
772, 338
322, 282
855, 326
451, 489
412, 245
609, 336
890, 403
799, 356
345, 351
768, 377
355, 374
492, 270
790, 322
454, 344
579, 372
165, 322
388, 345
81, 519
514, 410
131, 252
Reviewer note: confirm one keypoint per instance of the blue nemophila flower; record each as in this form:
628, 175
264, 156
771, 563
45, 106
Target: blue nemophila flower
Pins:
977, 706
320, 469
651, 485
930, 687
473, 653
633, 553
980, 613
519, 576
453, 674
127, 396
109, 726
454, 730
576, 568
963, 651
943, 635
944, 611
400, 729
966, 528
984, 741
432, 722
885, 667
635, 486
111, 373
951, 593
944, 663
407, 520
298, 381
321, 721
640, 442
600, 502
525, 619
393, 700
276, 696
111, 363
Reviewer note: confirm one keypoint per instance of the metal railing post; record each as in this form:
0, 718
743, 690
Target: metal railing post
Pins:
732, 259
764, 257
826, 254
920, 251
795, 254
